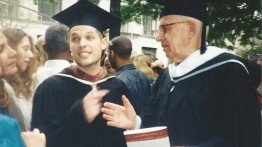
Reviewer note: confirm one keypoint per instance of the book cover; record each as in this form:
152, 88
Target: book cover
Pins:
147, 137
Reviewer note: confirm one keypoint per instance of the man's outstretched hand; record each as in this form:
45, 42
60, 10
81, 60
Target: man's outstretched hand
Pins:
120, 116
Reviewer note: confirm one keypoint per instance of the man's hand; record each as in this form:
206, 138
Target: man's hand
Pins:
92, 103
34, 138
120, 116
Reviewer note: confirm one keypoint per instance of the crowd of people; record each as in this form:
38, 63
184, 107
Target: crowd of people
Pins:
74, 88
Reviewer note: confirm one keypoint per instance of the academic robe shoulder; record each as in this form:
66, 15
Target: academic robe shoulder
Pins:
57, 111
214, 107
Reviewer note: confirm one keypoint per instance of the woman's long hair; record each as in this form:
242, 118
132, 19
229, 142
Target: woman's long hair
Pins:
143, 63
4, 98
23, 82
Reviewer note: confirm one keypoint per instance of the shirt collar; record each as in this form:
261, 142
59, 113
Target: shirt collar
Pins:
57, 63
194, 60
124, 68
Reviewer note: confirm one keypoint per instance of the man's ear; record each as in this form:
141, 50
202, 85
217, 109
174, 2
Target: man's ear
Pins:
112, 54
192, 29
104, 44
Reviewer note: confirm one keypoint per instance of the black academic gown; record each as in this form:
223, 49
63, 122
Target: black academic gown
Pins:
212, 108
57, 111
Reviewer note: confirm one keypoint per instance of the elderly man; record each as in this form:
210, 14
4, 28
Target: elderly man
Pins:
205, 97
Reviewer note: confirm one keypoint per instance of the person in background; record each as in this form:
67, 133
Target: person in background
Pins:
138, 83
67, 105
205, 97
104, 52
255, 72
8, 67
21, 85
103, 57
10, 130
57, 48
41, 55
143, 63
157, 66
108, 66
10, 134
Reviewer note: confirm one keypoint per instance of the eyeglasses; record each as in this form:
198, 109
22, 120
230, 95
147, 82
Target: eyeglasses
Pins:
162, 29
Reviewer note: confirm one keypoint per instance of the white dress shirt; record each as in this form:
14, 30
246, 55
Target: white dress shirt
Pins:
50, 68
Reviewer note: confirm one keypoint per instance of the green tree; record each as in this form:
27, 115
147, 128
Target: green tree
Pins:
131, 10
234, 21
245, 53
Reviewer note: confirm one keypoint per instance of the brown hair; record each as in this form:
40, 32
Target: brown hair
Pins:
4, 98
22, 82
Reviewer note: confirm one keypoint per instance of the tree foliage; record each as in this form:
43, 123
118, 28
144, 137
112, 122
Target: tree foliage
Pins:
248, 52
132, 10
237, 21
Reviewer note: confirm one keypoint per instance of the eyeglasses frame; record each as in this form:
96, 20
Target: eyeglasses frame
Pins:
162, 28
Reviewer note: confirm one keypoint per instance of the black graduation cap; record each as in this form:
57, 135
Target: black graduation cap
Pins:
192, 8
84, 12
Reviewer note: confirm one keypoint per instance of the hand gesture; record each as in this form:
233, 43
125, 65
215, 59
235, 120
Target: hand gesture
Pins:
34, 138
120, 116
92, 103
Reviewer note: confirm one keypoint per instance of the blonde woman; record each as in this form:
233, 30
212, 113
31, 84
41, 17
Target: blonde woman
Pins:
143, 63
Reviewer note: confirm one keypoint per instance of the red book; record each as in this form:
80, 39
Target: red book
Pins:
147, 137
